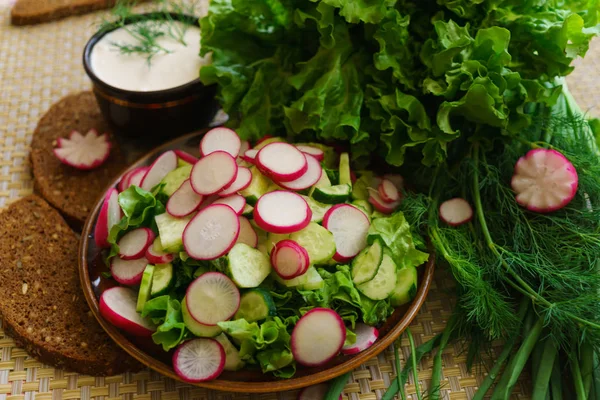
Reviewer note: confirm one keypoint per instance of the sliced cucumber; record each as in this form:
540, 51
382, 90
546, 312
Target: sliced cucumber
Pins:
175, 178
233, 361
323, 182
256, 305
384, 282
333, 194
170, 230
345, 178
310, 280
360, 187
163, 279
247, 211
182, 163
318, 209
248, 267
265, 142
318, 242
145, 288
364, 205
273, 239
258, 186
196, 327
406, 286
367, 262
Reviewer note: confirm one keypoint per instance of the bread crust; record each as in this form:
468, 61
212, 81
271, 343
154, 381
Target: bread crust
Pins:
30, 12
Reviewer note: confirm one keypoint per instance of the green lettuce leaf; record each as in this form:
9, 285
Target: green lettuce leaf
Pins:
166, 311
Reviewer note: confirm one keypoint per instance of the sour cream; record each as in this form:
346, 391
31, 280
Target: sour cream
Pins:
133, 71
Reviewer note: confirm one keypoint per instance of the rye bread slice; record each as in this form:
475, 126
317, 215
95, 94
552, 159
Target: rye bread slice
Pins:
41, 303
28, 12
71, 191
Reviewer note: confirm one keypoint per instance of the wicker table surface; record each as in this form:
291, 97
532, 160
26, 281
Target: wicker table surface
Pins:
41, 64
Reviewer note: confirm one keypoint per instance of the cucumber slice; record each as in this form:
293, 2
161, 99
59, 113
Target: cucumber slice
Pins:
256, 305
323, 182
175, 178
364, 205
384, 282
360, 189
265, 142
145, 288
258, 186
233, 361
163, 279
196, 327
318, 209
406, 286
310, 280
367, 262
170, 230
247, 211
273, 239
318, 242
345, 169
248, 267
332, 195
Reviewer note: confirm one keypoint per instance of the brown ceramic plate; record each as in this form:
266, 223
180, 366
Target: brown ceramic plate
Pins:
91, 267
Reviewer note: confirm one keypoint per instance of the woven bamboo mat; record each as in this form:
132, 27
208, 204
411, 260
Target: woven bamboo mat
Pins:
41, 64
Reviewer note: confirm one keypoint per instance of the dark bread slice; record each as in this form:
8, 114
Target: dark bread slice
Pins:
71, 191
41, 303
28, 12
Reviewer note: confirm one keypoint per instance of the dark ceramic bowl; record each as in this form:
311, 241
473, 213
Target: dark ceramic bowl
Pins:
156, 114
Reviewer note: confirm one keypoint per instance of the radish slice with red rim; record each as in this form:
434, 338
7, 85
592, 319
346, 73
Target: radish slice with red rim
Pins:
349, 226
388, 192
136, 177
211, 233
311, 176
456, 211
245, 145
184, 201
396, 179
199, 360
118, 306
250, 156
380, 205
124, 182
282, 212
544, 181
281, 161
164, 164
313, 151
318, 337
247, 233
133, 244
289, 259
235, 201
212, 298
110, 214
213, 173
83, 152
365, 337
128, 272
220, 139
157, 256
185, 156
315, 392
242, 181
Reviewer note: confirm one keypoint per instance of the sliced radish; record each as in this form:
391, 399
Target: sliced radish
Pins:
388, 192
318, 337
349, 226
311, 176
213, 173
282, 212
128, 272
211, 233
124, 182
315, 392
83, 152
117, 306
396, 179
184, 201
155, 256
242, 181
247, 233
220, 139
245, 145
544, 181
235, 201
380, 205
133, 244
456, 211
199, 360
135, 179
281, 161
212, 298
313, 151
250, 156
289, 259
164, 164
365, 337
185, 156
110, 215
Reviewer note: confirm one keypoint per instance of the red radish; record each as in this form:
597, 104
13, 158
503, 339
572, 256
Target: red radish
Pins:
318, 337
380, 205
128, 272
125, 179
184, 201
247, 233
83, 152
185, 156
211, 233
213, 173
250, 156
349, 226
155, 256
235, 201
544, 181
110, 215
311, 176
212, 298
365, 337
282, 212
313, 151
281, 161
245, 145
117, 306
396, 179
133, 244
135, 179
289, 259
208, 200
456, 211
220, 139
242, 181
352, 177
199, 360
388, 192
164, 164
315, 392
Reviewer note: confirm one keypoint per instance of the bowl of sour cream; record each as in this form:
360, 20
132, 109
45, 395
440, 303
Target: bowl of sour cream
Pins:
145, 75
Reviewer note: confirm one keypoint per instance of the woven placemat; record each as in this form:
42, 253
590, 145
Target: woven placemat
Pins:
41, 64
